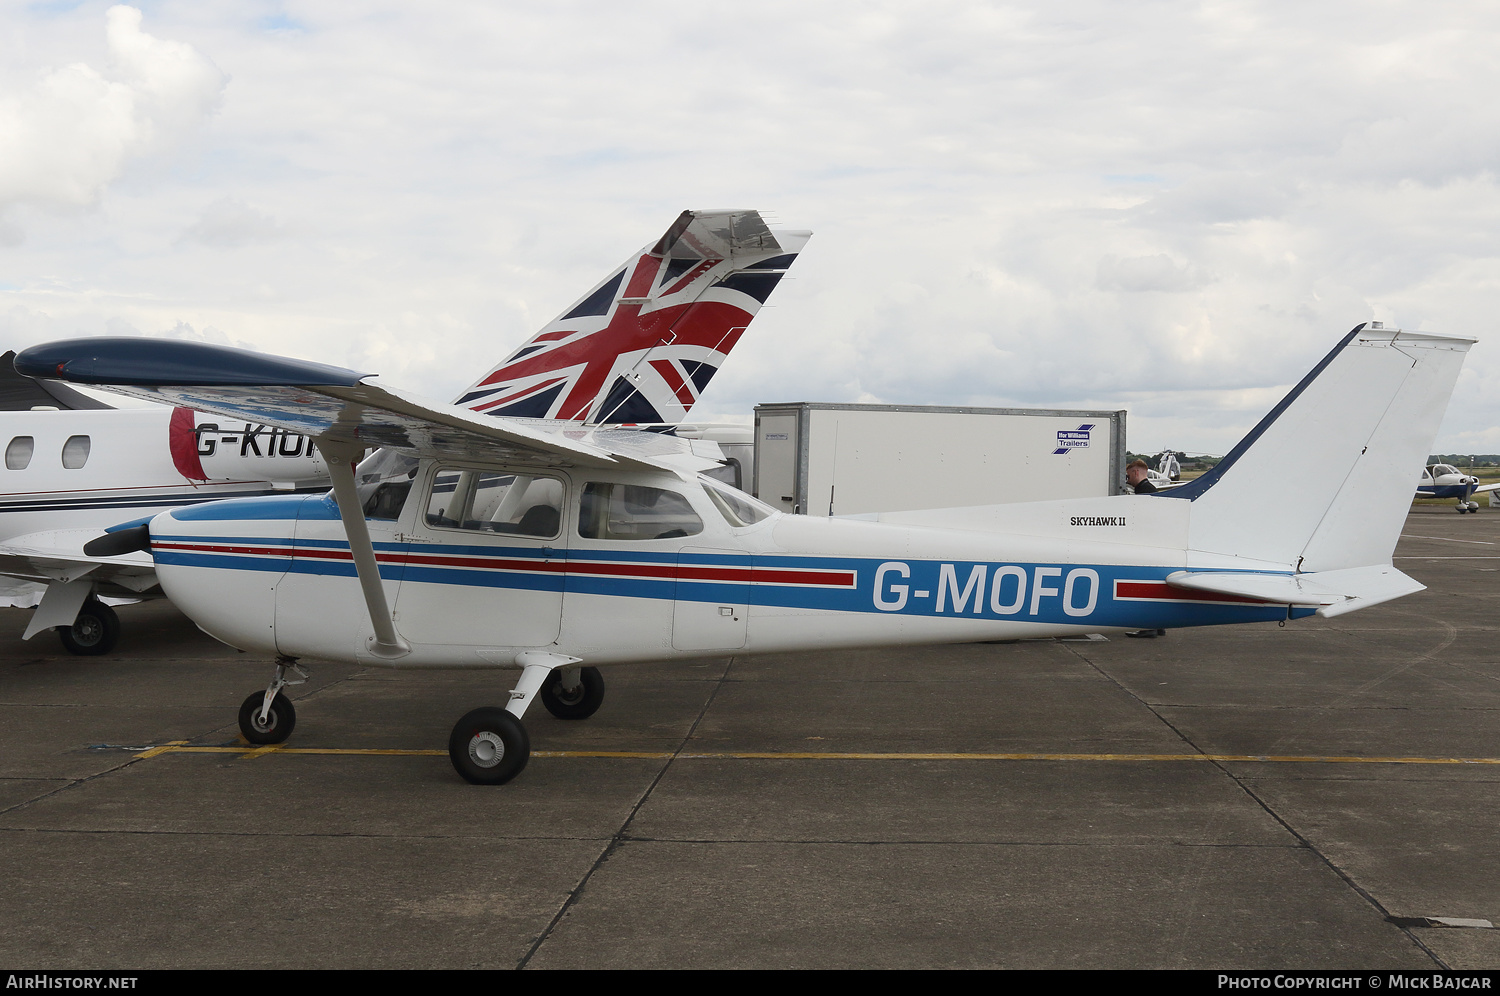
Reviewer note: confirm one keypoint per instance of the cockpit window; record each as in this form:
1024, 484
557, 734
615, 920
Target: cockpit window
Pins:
738, 508
1440, 469
633, 512
484, 501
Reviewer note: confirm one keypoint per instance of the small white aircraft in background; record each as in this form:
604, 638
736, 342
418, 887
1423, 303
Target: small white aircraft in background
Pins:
639, 346
1443, 480
478, 542
1168, 472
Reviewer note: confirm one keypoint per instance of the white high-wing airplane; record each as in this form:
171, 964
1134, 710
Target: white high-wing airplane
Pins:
640, 346
552, 549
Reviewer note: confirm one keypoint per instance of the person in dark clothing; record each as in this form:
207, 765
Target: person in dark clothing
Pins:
1139, 479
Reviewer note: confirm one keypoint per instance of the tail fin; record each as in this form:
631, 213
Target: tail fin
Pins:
643, 344
1323, 483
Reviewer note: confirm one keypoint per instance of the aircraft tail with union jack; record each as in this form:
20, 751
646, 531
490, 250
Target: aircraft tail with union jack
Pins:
643, 344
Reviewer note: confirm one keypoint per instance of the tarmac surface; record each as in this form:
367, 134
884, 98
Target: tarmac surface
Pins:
1230, 797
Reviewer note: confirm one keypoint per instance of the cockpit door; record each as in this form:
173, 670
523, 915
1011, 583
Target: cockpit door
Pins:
485, 560
713, 599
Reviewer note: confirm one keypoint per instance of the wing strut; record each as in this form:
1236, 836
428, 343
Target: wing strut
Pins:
386, 643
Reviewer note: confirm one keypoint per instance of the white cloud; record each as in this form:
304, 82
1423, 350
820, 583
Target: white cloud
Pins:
1171, 207
73, 131
229, 223
1149, 273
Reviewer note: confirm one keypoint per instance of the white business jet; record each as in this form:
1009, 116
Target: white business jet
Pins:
637, 347
479, 542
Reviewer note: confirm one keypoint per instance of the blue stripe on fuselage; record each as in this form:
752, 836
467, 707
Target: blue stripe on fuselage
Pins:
1070, 594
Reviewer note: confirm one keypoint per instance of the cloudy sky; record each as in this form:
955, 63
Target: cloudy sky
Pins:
1170, 207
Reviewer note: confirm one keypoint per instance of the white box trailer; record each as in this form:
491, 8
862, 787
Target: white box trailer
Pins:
832, 459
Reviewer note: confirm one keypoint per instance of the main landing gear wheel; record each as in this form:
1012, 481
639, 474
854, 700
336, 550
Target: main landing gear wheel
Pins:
579, 702
94, 632
277, 725
489, 746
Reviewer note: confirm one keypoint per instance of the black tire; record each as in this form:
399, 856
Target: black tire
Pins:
580, 703
94, 632
278, 725
489, 746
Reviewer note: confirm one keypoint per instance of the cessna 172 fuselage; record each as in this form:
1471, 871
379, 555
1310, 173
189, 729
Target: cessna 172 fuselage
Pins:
552, 550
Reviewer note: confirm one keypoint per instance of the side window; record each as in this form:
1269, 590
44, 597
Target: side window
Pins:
18, 453
632, 512
738, 508
482, 501
729, 472
75, 452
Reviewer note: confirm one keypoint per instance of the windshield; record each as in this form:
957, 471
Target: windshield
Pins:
383, 480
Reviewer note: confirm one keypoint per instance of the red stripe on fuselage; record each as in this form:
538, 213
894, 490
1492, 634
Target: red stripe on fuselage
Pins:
1161, 591
807, 577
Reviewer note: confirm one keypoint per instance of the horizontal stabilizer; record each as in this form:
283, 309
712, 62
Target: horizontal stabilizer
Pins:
1333, 592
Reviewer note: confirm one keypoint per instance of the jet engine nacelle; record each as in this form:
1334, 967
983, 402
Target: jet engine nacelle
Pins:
212, 448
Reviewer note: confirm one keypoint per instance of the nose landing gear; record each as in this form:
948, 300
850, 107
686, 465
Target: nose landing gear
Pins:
268, 717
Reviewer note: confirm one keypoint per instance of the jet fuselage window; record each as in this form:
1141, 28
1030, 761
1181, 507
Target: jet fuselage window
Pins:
485, 501
75, 452
18, 453
633, 512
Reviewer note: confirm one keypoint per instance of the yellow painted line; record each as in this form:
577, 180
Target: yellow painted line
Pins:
179, 747
170, 745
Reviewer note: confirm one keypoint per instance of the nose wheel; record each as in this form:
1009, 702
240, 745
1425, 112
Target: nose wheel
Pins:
268, 717
267, 726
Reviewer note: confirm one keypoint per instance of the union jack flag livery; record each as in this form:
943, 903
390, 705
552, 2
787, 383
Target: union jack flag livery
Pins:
643, 344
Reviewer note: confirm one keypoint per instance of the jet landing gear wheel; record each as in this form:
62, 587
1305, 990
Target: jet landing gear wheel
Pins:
94, 632
277, 725
489, 746
579, 702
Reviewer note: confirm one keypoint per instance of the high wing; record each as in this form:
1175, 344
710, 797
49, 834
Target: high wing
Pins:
338, 406
345, 415
642, 345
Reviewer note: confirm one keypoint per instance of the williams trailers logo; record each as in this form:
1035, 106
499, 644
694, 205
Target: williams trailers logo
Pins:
1072, 439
